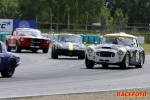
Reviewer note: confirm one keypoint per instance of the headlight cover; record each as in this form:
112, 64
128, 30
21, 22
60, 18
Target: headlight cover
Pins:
120, 52
48, 41
81, 46
59, 45
89, 50
21, 39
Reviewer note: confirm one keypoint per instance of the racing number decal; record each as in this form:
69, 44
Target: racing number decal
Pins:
70, 46
137, 56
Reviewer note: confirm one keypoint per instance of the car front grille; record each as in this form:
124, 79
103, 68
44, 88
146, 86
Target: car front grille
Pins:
35, 42
105, 54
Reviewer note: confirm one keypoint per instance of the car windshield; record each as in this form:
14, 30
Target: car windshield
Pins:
34, 33
69, 38
117, 40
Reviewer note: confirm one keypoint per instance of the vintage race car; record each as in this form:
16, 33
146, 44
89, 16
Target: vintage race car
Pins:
27, 38
68, 45
8, 61
116, 49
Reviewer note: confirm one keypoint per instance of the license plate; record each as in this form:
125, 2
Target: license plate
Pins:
69, 53
35, 46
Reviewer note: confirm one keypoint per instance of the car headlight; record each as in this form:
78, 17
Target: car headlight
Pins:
89, 50
81, 46
48, 41
59, 45
21, 39
120, 52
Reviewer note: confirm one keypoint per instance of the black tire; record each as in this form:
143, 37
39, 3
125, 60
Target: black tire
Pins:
81, 56
141, 61
10, 69
18, 49
34, 50
8, 47
52, 51
55, 54
105, 65
126, 61
89, 64
45, 50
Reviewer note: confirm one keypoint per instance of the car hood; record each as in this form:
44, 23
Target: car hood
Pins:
34, 37
66, 45
110, 46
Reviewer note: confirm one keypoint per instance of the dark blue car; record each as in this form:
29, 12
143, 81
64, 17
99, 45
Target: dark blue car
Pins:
8, 61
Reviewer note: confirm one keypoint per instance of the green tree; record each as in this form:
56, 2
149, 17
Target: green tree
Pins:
9, 9
120, 20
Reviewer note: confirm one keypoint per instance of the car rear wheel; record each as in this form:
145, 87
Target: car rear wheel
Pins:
45, 50
8, 47
141, 62
125, 62
105, 65
18, 48
9, 70
89, 64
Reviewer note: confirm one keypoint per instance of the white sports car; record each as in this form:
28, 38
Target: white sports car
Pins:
116, 49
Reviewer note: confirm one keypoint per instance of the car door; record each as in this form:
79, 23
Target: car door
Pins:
12, 39
135, 55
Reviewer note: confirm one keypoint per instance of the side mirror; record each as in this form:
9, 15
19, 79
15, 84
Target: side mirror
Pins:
84, 43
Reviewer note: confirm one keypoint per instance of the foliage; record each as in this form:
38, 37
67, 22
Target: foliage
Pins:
9, 9
112, 14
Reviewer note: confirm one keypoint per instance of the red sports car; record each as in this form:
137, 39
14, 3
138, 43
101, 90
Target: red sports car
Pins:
27, 38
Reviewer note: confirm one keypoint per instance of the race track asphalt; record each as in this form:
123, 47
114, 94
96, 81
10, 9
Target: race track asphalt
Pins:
39, 74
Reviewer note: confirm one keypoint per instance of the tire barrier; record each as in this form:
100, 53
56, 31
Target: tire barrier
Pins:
90, 38
3, 35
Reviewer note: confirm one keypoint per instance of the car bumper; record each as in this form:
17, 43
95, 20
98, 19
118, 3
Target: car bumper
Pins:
109, 57
18, 64
70, 53
38, 46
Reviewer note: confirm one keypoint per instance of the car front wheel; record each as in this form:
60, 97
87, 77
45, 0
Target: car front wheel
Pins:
9, 70
52, 56
8, 47
18, 49
89, 64
55, 54
125, 62
141, 62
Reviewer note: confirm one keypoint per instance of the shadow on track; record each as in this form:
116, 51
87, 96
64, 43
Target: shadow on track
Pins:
112, 68
66, 59
28, 51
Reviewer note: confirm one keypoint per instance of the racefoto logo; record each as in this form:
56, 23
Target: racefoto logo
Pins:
6, 24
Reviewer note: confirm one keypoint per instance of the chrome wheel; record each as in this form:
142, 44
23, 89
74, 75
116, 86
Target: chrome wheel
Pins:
142, 59
140, 65
127, 61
